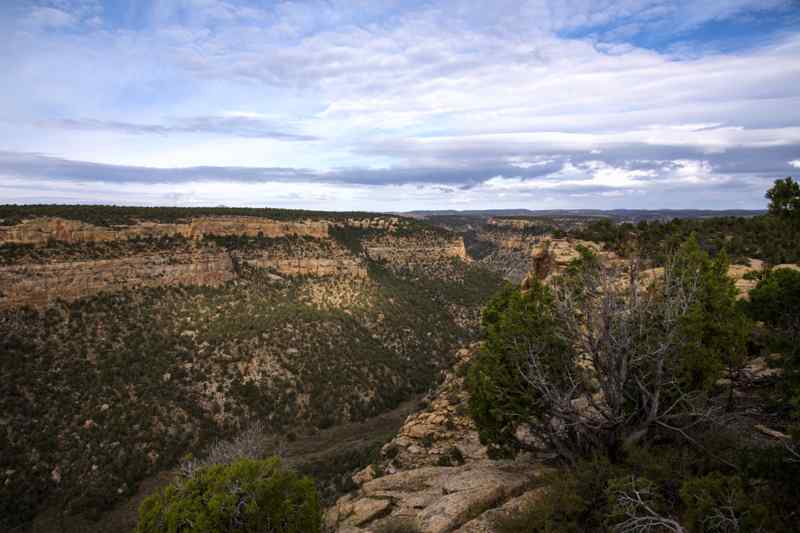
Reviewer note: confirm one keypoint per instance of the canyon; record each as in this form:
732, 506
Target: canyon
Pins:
129, 344
314, 253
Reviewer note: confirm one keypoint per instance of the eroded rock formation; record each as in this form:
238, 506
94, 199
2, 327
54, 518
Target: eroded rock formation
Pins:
313, 252
435, 474
42, 230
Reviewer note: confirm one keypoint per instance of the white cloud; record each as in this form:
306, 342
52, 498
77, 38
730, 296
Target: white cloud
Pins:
48, 17
468, 90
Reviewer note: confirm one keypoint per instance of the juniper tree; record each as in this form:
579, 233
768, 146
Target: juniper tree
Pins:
601, 358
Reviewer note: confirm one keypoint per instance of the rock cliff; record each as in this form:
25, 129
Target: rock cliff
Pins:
311, 250
435, 475
42, 230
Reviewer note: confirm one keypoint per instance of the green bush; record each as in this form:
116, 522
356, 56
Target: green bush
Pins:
715, 330
248, 495
499, 398
573, 500
775, 301
717, 502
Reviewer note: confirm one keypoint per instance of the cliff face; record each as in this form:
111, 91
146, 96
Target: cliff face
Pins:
312, 252
510, 251
42, 230
435, 475
404, 250
37, 285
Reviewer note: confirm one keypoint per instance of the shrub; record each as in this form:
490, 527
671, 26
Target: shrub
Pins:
715, 329
573, 500
717, 502
498, 393
248, 495
776, 302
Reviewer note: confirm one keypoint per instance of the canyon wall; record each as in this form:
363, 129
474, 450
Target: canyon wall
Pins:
77, 262
38, 285
514, 223
404, 250
42, 230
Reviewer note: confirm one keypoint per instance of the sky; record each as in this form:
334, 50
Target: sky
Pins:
389, 105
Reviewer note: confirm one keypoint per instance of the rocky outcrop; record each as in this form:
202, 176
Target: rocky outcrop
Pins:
485, 523
37, 285
436, 498
308, 250
514, 223
405, 250
435, 473
738, 273
42, 230
551, 256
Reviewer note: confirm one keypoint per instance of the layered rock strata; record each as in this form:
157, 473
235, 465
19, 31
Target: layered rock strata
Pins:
313, 253
37, 285
43, 230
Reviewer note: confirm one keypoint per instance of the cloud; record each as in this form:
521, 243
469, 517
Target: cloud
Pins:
549, 99
560, 174
48, 17
237, 125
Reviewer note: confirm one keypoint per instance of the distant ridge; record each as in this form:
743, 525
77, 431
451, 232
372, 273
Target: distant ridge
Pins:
616, 214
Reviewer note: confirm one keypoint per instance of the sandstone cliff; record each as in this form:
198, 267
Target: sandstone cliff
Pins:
435, 474
313, 251
42, 230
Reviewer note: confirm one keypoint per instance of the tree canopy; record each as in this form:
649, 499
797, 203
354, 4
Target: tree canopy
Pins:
599, 359
245, 496
784, 199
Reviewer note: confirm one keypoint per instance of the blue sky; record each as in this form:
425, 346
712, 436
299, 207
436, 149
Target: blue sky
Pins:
392, 105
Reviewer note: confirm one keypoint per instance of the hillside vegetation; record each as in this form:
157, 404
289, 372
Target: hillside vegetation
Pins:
110, 215
650, 393
104, 390
772, 237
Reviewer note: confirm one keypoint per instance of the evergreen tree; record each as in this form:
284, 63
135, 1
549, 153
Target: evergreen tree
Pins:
784, 199
775, 301
247, 496
715, 328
